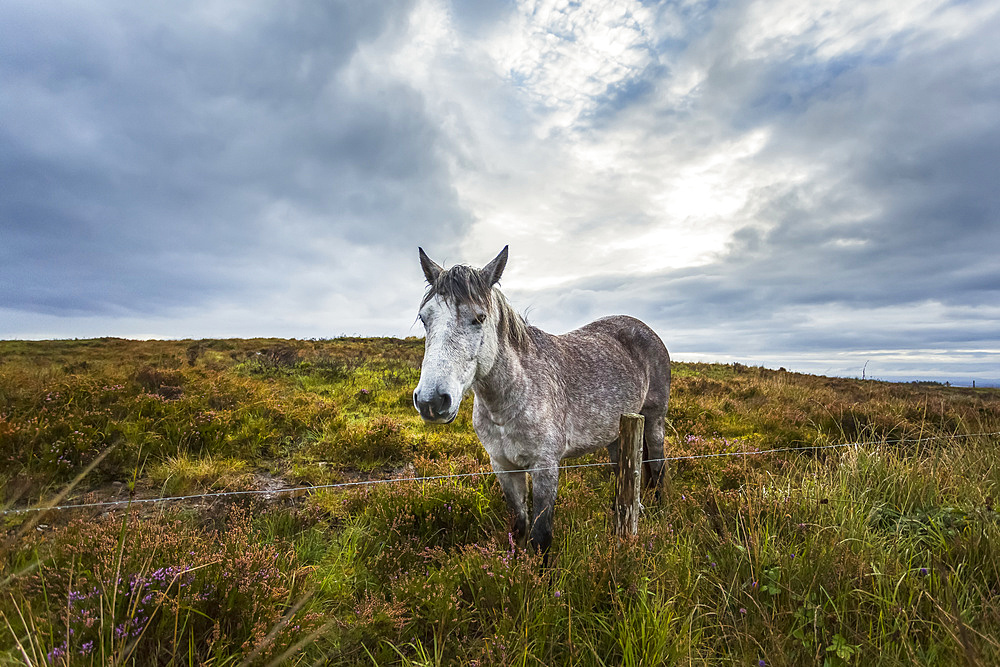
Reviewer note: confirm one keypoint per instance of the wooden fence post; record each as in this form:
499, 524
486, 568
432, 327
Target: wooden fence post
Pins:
626, 508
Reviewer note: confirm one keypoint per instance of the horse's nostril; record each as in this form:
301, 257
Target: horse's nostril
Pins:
440, 404
437, 407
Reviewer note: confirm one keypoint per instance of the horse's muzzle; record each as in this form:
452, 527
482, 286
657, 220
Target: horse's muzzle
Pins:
438, 409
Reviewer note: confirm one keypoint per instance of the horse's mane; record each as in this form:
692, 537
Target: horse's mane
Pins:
465, 285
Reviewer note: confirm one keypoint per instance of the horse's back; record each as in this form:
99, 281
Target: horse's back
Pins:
642, 345
612, 365
635, 337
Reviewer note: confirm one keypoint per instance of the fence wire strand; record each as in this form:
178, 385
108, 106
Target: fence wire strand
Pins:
481, 473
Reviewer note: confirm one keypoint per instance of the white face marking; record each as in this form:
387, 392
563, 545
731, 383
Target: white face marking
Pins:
461, 346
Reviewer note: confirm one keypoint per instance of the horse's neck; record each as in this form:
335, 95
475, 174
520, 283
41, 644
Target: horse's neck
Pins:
502, 390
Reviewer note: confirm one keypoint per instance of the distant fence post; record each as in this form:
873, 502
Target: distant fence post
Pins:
626, 508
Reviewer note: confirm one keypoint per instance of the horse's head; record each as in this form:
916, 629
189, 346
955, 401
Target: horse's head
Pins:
460, 315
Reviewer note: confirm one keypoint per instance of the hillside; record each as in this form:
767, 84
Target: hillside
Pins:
881, 553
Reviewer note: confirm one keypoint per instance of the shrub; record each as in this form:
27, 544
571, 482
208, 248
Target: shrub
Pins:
150, 588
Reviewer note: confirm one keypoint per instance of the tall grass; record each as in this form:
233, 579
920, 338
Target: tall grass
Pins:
880, 553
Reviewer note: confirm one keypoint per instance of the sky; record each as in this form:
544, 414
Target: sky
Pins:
809, 185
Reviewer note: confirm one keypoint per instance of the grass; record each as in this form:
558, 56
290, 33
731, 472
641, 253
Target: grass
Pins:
184, 473
883, 553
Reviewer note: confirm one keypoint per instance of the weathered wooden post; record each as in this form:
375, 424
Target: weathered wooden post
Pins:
629, 475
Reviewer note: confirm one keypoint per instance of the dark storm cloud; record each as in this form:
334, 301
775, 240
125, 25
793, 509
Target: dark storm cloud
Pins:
149, 156
908, 208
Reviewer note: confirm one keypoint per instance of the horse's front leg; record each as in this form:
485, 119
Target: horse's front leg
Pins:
544, 483
515, 492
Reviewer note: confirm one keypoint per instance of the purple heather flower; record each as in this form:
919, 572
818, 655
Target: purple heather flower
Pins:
761, 663
743, 611
558, 594
923, 572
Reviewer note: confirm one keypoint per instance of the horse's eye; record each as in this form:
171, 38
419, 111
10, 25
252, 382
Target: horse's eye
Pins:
479, 318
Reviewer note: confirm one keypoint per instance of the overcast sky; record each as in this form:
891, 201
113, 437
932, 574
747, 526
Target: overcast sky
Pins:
813, 185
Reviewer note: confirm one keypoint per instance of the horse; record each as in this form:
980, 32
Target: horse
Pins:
538, 398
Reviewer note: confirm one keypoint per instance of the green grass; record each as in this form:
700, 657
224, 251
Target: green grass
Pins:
881, 554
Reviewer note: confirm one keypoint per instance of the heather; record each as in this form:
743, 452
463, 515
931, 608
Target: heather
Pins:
880, 553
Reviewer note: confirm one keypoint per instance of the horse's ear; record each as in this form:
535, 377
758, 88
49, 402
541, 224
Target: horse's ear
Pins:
431, 269
494, 269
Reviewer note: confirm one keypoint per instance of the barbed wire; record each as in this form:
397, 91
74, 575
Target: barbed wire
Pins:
481, 473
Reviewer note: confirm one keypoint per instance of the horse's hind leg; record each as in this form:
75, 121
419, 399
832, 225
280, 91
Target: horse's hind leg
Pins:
652, 437
544, 484
515, 492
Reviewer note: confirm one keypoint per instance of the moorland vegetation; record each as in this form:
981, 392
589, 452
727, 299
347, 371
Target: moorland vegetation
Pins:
884, 552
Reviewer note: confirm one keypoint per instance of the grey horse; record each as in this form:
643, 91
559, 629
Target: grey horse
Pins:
539, 398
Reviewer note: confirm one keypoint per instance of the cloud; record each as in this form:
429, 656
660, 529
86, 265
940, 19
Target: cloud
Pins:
173, 156
773, 181
789, 179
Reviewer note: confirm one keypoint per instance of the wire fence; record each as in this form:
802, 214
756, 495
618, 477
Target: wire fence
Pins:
482, 473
